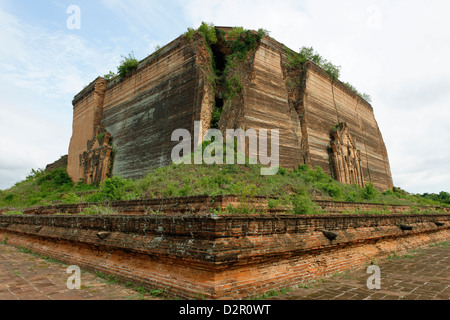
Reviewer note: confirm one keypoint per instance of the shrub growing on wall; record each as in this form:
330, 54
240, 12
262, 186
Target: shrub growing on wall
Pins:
127, 65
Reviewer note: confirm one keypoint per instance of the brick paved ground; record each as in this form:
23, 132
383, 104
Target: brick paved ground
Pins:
24, 276
423, 274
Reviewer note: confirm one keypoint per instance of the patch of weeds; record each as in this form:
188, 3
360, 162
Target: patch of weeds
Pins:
108, 278
51, 260
271, 294
110, 76
98, 210
16, 273
112, 279
142, 292
70, 198
25, 250
303, 205
157, 293
369, 192
100, 137
5, 240
141, 289
200, 296
13, 213
127, 65
445, 244
242, 209
305, 286
393, 256
364, 96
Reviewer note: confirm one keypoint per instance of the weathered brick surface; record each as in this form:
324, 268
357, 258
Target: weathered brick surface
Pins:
221, 256
171, 90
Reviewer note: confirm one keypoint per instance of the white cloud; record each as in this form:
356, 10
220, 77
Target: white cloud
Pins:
41, 73
150, 20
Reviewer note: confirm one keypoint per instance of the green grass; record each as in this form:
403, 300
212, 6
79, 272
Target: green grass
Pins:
271, 294
140, 289
295, 188
445, 244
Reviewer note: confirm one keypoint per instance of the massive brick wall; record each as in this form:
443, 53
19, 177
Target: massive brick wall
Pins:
266, 102
167, 92
327, 104
142, 112
83, 129
222, 256
170, 90
307, 114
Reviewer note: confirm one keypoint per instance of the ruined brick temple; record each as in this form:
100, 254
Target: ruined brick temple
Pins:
124, 126
182, 246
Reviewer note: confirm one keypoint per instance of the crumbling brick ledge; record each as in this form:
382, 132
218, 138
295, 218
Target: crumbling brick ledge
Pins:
207, 204
222, 256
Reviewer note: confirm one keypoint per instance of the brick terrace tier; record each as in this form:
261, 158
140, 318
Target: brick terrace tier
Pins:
222, 256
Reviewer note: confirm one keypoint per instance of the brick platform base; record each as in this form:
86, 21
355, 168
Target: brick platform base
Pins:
222, 256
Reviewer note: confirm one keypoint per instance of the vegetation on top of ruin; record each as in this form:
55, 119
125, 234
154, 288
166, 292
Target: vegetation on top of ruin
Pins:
297, 60
225, 76
365, 96
295, 188
127, 66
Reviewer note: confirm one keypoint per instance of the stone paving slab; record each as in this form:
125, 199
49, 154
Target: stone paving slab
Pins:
423, 274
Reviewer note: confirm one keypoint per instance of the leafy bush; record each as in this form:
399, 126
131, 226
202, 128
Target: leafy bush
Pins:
95, 197
364, 96
233, 87
442, 197
127, 65
114, 188
369, 192
261, 33
331, 189
308, 53
9, 198
70, 198
209, 32
235, 33
109, 76
352, 197
56, 178
244, 41
304, 205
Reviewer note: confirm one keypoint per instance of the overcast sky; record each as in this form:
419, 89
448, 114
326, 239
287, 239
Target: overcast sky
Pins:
396, 51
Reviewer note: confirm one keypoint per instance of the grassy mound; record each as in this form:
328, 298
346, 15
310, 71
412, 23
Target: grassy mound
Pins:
294, 187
